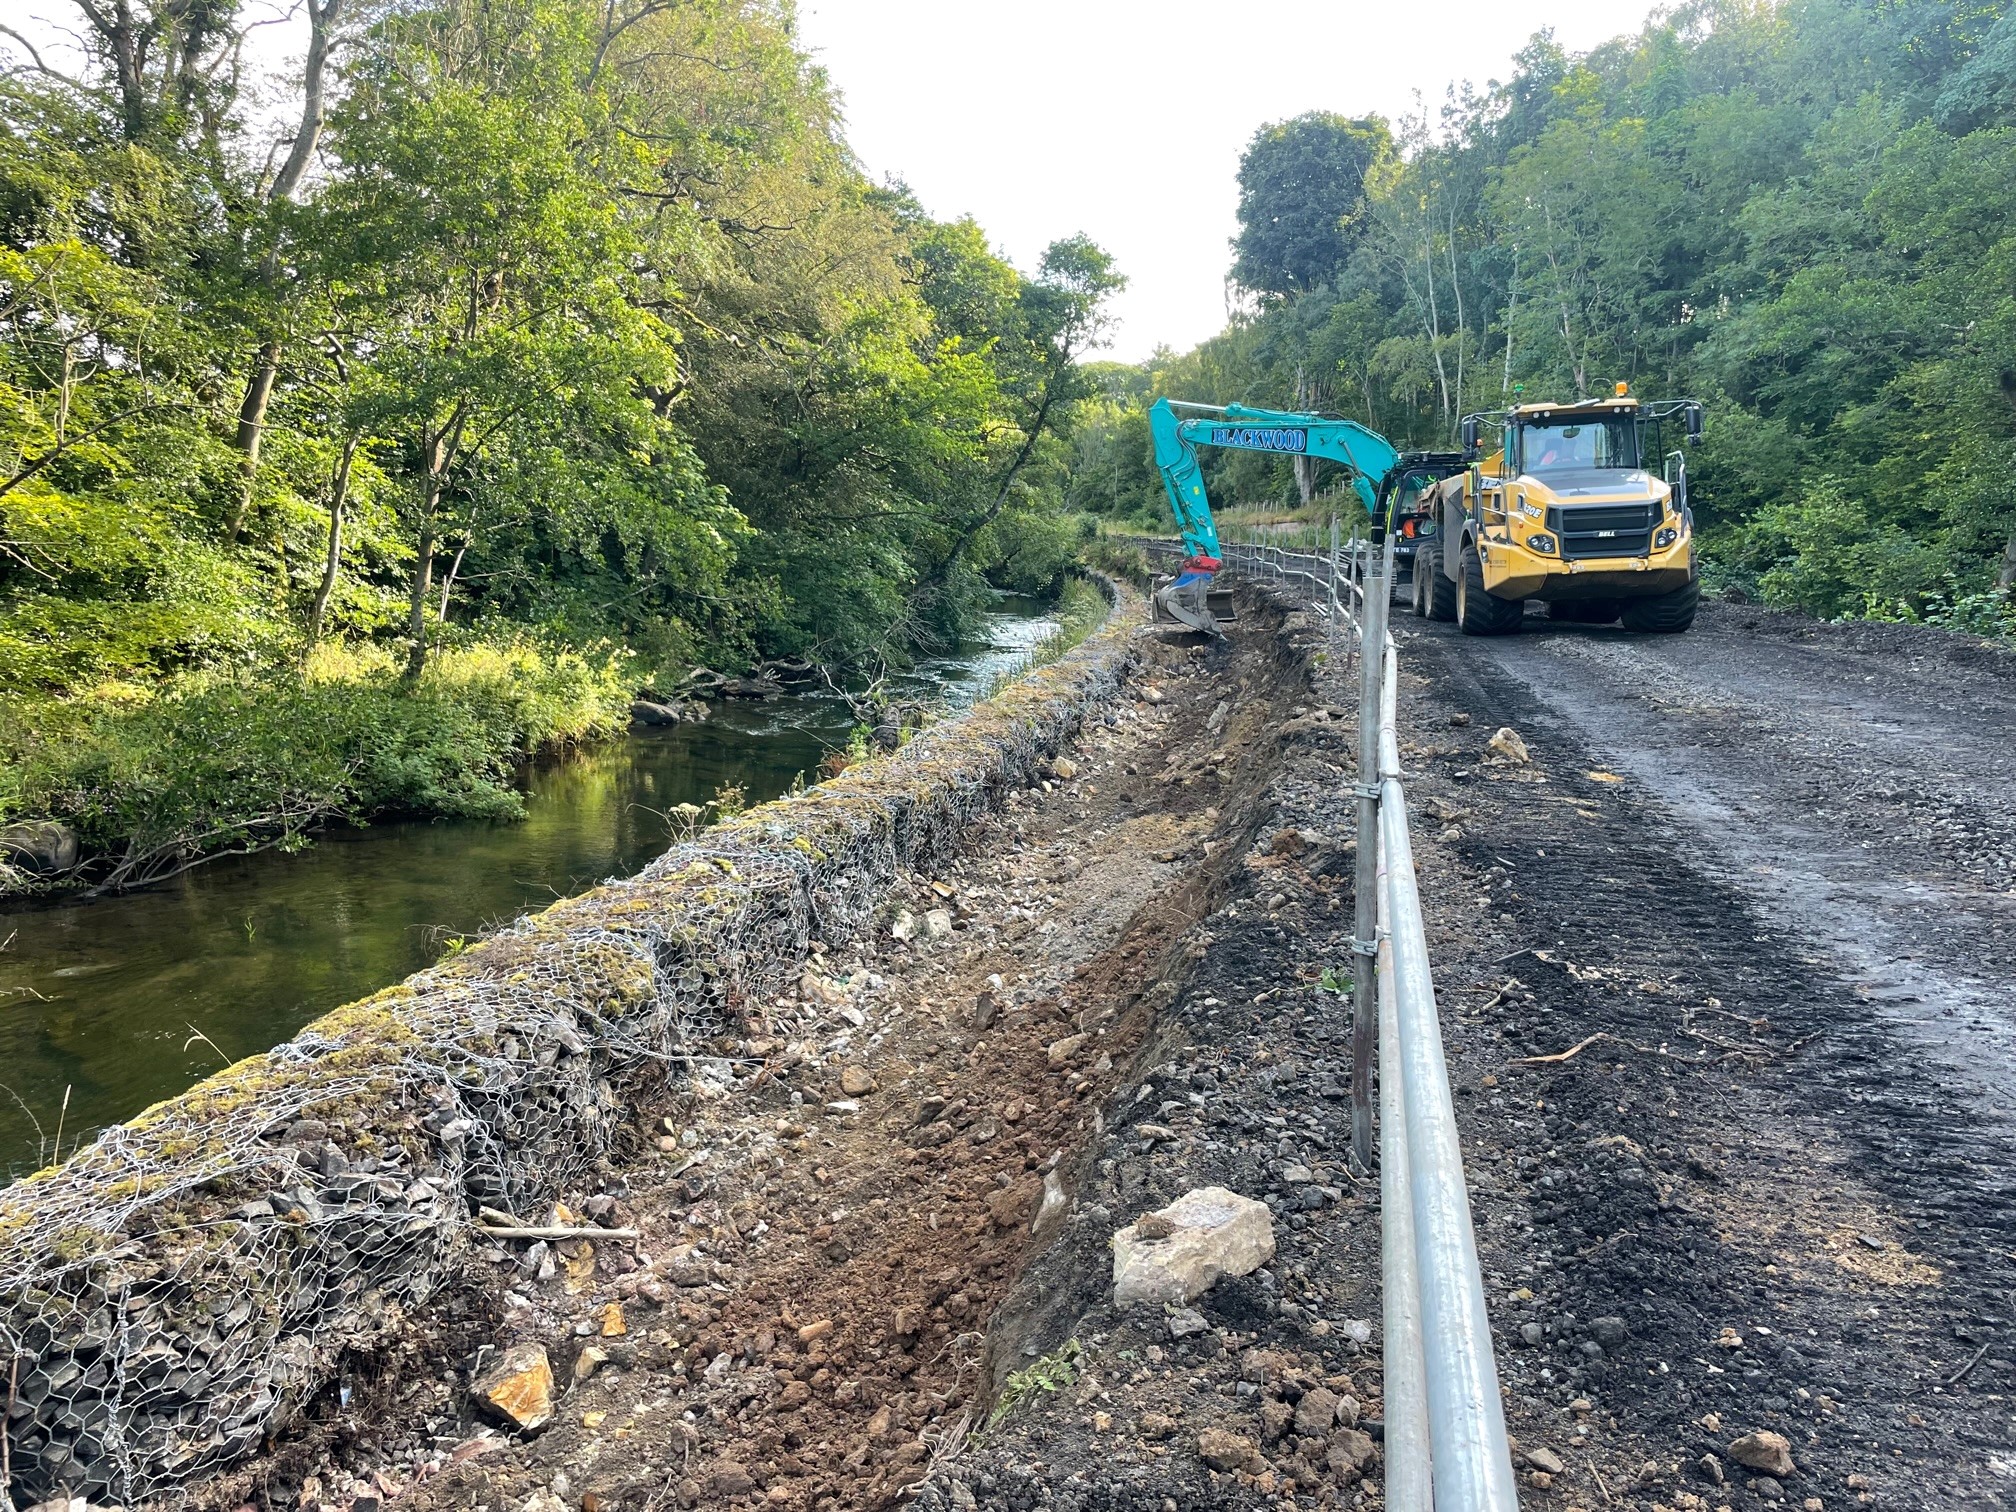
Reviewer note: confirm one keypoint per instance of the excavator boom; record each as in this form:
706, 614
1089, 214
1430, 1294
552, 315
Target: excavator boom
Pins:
1372, 458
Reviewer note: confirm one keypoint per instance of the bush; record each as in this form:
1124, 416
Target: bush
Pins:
154, 782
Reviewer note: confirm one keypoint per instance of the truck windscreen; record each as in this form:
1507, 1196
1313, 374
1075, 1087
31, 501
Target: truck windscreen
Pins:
1606, 441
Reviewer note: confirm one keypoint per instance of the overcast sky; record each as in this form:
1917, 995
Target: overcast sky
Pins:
1125, 119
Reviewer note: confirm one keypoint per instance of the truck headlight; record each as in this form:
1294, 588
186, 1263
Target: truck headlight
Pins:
1544, 544
1666, 537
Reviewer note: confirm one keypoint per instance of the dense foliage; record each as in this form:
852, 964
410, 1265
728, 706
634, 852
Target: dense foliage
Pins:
535, 326
1802, 212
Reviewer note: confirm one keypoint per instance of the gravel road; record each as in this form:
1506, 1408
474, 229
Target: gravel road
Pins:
1774, 865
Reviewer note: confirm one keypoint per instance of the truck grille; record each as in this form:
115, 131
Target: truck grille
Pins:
1604, 530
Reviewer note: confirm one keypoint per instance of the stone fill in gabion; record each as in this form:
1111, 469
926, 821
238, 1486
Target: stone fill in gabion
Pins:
170, 1293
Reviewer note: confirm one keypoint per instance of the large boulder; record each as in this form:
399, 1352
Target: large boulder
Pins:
1182, 1251
518, 1388
646, 711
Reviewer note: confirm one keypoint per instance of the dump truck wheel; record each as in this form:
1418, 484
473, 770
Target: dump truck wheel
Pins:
1477, 612
1440, 592
1664, 613
1424, 563
1585, 611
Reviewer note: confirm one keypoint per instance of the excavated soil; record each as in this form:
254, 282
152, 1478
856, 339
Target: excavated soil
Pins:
831, 1209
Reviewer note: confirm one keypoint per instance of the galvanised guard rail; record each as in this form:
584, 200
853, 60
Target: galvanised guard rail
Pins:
1446, 1449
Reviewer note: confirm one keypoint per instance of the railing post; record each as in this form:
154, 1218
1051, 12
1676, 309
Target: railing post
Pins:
1365, 944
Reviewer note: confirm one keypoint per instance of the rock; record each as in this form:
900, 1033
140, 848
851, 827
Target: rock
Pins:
1766, 1453
1015, 1204
1062, 1050
1506, 745
645, 711
1185, 1322
816, 988
1316, 1413
613, 1326
1275, 1418
1152, 695
518, 1388
1050, 1211
1222, 1449
1155, 1426
905, 927
1287, 842
938, 924
1611, 1333
1545, 1460
730, 1479
1215, 1234
41, 846
1531, 1334
1711, 1470
590, 1360
1064, 769
813, 1332
1458, 721
986, 1009
1152, 1132
1350, 1452
856, 1082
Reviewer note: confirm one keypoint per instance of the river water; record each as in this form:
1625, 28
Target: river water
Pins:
127, 1000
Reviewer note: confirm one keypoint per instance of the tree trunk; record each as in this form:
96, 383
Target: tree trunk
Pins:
251, 427
332, 562
2006, 578
266, 367
416, 613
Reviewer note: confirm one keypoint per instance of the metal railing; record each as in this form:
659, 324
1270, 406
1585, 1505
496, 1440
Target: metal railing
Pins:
1446, 1449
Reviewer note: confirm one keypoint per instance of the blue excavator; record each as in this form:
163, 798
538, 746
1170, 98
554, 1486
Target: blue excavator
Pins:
1395, 487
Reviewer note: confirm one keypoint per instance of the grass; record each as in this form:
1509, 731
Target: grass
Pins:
1046, 1377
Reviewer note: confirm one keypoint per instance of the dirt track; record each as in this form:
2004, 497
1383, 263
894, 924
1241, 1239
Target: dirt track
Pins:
1770, 1190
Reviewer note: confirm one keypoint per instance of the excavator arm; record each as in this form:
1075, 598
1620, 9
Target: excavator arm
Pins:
1238, 427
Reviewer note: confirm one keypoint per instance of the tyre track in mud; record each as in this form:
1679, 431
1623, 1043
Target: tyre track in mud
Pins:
1770, 1195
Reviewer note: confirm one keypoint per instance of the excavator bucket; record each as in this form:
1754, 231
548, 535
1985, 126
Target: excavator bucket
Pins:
1193, 606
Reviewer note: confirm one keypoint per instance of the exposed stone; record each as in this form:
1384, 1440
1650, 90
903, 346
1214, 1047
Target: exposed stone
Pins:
1064, 769
812, 1333
1767, 1453
1611, 1333
1544, 1460
518, 1388
731, 1479
645, 711
1050, 1211
1222, 1449
1185, 1322
1216, 1233
856, 1082
1507, 745
905, 926
1350, 1452
590, 1360
1062, 1050
1015, 1204
938, 924
1316, 1413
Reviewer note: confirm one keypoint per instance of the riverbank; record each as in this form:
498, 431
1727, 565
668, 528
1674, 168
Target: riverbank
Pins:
130, 784
109, 1004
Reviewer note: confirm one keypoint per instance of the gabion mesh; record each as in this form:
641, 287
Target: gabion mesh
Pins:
173, 1291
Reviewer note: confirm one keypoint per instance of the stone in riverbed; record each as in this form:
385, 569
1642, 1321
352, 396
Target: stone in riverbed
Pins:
1214, 1233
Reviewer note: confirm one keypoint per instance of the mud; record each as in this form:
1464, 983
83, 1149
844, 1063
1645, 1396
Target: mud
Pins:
1725, 973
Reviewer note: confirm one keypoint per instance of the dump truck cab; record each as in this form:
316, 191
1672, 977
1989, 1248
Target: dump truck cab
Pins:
1579, 508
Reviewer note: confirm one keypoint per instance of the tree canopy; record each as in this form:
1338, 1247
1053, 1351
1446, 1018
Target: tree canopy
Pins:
1799, 212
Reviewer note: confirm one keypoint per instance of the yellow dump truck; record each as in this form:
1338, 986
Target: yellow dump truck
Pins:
1567, 512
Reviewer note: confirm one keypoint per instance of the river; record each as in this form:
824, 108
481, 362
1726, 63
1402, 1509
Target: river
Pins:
123, 1001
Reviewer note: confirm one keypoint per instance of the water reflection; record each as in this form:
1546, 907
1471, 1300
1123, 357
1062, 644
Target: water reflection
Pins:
130, 999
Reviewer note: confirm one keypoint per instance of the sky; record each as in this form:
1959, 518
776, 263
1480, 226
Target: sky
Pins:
1125, 119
